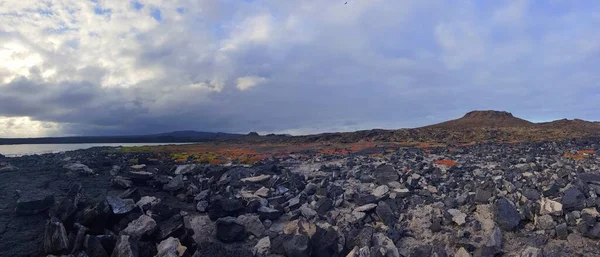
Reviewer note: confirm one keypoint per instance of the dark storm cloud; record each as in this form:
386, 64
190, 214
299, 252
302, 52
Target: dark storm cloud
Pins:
300, 67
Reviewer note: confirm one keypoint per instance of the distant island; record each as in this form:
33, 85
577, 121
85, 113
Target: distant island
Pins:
475, 126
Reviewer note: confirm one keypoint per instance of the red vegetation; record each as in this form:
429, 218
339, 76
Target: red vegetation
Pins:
448, 163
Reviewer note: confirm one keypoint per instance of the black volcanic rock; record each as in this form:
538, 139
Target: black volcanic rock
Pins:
34, 201
572, 199
506, 215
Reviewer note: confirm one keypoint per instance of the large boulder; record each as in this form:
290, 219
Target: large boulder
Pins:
506, 214
573, 199
385, 174
223, 207
385, 213
230, 230
55, 236
326, 242
68, 206
252, 224
34, 201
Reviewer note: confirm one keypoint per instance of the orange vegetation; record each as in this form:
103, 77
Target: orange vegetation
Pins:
448, 163
579, 155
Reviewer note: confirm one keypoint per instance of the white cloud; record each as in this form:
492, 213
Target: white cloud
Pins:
106, 66
244, 83
511, 14
11, 127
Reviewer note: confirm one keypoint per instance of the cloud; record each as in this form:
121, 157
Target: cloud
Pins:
122, 67
247, 82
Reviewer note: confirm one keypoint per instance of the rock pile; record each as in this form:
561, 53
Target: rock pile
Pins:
513, 200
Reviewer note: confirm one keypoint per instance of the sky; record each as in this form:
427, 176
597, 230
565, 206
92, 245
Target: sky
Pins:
109, 67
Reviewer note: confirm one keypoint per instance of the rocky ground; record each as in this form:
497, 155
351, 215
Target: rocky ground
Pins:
526, 199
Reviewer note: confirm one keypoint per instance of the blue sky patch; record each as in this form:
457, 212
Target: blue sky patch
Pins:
137, 5
156, 14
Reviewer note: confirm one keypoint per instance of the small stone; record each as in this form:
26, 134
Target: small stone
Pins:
203, 195
384, 245
256, 179
121, 182
269, 213
561, 231
495, 239
545, 222
458, 217
170, 247
263, 247
147, 202
532, 252
230, 230
307, 212
171, 226
144, 225
365, 208
360, 237
548, 206
461, 252
202, 227
221, 250
381, 191
175, 184
138, 167
120, 206
79, 168
310, 189
297, 246
33, 202
482, 195
575, 240
324, 205
401, 192
55, 236
184, 169
262, 192
357, 216
202, 206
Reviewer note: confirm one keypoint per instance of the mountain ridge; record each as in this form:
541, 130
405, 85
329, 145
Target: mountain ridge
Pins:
474, 126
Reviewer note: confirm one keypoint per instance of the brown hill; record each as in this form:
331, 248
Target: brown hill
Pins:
475, 126
488, 119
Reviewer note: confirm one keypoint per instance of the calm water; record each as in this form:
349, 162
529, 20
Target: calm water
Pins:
29, 149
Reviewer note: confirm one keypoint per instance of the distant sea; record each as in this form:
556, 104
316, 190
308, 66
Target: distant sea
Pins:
30, 149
